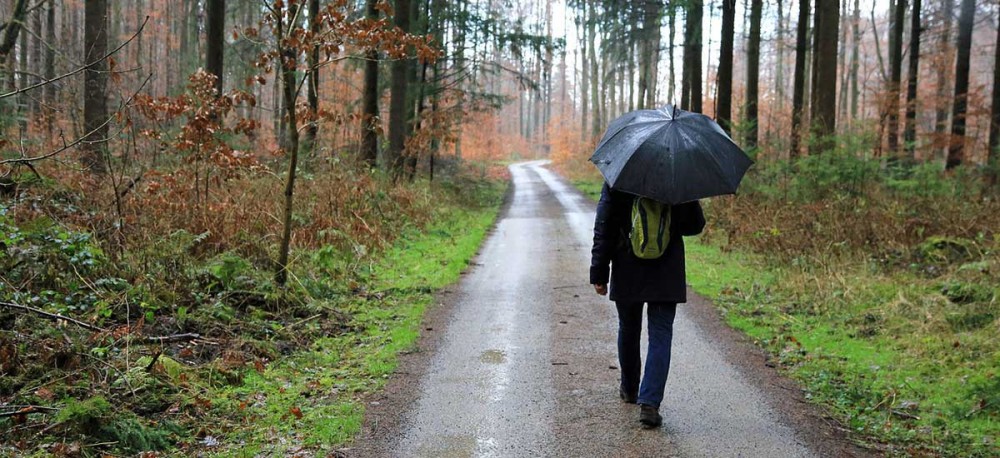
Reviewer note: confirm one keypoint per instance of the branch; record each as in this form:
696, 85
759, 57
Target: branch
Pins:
55, 316
24, 410
80, 69
82, 139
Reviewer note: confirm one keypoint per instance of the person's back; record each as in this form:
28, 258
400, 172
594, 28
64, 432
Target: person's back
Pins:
658, 282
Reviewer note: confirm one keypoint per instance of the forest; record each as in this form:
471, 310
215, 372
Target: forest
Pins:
221, 222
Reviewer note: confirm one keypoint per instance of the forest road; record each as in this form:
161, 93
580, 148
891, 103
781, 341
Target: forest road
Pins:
520, 360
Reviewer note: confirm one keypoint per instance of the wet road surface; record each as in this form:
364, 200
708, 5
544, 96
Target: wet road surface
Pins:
520, 360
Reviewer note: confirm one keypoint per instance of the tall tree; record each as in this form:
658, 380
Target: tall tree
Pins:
285, 28
753, 71
50, 66
910, 130
823, 103
895, 76
649, 56
956, 147
95, 80
994, 141
724, 107
691, 79
943, 67
400, 85
798, 92
215, 40
855, 64
370, 122
312, 92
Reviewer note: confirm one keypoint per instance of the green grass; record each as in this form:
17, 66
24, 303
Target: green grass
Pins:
903, 368
313, 399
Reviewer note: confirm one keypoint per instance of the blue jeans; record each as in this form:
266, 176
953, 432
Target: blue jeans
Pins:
661, 331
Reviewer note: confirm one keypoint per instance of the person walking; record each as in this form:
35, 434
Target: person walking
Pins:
657, 280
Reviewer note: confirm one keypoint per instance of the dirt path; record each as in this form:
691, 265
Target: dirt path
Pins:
520, 361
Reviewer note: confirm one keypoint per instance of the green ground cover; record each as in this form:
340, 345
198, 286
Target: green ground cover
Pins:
277, 371
907, 361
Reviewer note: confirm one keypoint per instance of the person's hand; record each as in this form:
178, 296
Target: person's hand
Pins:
601, 289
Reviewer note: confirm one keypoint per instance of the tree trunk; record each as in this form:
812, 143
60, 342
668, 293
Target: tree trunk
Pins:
895, 76
855, 40
595, 99
584, 74
779, 71
943, 68
398, 102
50, 67
370, 122
95, 101
723, 108
287, 72
798, 92
823, 109
956, 149
313, 80
910, 131
753, 71
215, 41
697, 11
672, 28
995, 109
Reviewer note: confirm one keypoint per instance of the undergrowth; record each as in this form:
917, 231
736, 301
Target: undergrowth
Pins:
874, 286
247, 365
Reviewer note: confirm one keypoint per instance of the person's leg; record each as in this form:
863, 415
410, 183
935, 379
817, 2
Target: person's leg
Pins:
661, 330
629, 334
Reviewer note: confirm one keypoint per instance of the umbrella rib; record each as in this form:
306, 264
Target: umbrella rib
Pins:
604, 142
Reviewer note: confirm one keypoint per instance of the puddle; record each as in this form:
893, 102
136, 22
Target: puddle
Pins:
493, 357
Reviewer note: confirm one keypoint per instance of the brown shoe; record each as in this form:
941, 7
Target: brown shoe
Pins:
649, 416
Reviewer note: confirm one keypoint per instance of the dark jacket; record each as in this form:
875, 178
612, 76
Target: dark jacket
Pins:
633, 279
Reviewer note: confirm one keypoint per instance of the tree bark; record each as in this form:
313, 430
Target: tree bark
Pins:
584, 75
400, 84
798, 92
992, 155
943, 68
823, 109
697, 12
855, 40
910, 130
95, 102
312, 92
50, 67
753, 71
215, 41
724, 106
672, 30
956, 149
370, 123
895, 76
595, 96
287, 69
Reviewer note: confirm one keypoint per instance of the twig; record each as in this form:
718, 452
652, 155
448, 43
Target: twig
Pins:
80, 69
25, 160
55, 316
24, 410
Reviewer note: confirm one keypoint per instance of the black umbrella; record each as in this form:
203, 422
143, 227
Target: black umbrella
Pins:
670, 155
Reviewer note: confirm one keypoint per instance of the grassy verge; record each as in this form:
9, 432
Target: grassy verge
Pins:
276, 371
908, 363
311, 400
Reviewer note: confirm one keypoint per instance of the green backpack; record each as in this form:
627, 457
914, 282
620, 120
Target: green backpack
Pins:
650, 233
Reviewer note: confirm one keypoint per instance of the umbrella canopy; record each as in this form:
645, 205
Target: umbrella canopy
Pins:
670, 155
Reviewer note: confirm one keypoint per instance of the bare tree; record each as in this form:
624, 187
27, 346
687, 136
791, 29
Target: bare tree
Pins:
895, 76
369, 138
753, 71
956, 153
823, 103
910, 129
724, 106
95, 101
798, 92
